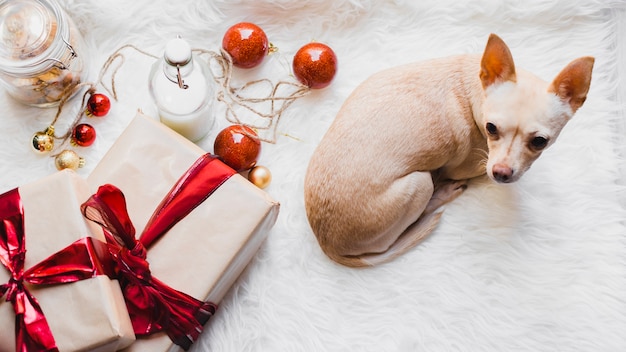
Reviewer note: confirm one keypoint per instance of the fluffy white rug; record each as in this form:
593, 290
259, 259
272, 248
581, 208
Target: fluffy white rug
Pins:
535, 266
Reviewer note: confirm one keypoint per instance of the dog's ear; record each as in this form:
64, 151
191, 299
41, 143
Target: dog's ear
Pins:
497, 64
572, 84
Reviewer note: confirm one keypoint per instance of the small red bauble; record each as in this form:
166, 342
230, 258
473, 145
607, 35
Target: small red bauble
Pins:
315, 65
83, 135
237, 147
246, 43
98, 105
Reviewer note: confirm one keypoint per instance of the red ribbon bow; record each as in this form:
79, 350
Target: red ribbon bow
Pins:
153, 306
78, 261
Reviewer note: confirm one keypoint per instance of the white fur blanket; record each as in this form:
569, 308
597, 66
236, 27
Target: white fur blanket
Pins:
539, 265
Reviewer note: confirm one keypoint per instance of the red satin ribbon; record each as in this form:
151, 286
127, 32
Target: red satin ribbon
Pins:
153, 306
78, 261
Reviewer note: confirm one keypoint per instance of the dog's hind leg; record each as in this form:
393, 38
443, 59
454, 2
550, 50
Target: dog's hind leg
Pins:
415, 233
420, 220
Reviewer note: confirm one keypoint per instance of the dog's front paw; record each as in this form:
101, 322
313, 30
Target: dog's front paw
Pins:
445, 192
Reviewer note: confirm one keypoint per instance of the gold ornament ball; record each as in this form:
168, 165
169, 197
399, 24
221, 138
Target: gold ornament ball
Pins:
260, 176
68, 159
43, 142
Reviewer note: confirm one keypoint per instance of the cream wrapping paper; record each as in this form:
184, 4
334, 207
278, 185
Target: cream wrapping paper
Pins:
204, 253
88, 315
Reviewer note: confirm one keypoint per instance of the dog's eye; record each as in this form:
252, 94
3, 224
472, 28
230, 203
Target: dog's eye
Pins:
491, 129
539, 143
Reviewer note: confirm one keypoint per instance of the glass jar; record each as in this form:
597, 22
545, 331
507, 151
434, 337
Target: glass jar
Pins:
39, 52
183, 91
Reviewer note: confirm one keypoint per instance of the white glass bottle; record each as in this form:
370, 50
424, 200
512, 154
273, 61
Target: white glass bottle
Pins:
41, 57
183, 92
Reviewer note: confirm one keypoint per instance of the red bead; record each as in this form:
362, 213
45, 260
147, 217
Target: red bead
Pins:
238, 147
83, 135
98, 105
246, 43
315, 65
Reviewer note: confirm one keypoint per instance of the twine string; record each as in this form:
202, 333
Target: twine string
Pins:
232, 97
117, 56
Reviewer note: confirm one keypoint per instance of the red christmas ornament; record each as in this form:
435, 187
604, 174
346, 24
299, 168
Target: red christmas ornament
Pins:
315, 65
237, 147
98, 105
246, 43
83, 135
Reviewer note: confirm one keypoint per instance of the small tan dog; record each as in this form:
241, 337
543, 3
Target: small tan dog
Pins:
408, 139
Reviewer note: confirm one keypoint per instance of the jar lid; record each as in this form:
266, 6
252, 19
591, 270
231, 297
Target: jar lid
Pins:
27, 29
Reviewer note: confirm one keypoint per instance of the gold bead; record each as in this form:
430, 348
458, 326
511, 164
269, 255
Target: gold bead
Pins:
43, 141
260, 176
68, 159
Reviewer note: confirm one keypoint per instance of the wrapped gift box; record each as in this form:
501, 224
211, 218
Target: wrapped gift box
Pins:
85, 315
204, 253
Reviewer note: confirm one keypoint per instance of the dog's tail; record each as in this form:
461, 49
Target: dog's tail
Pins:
411, 237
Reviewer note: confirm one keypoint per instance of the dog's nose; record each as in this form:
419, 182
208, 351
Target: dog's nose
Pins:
502, 173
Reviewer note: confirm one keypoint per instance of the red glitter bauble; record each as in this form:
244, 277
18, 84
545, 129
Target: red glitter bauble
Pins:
315, 65
98, 105
237, 147
83, 135
246, 43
